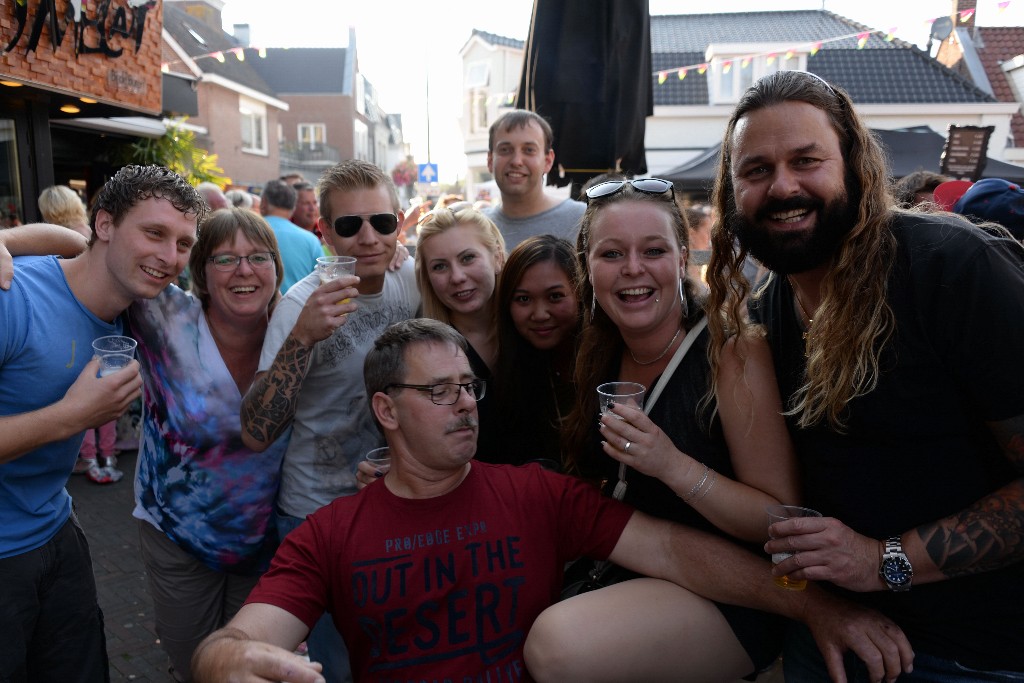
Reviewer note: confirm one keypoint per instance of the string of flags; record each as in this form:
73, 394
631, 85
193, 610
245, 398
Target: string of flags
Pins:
811, 47
220, 56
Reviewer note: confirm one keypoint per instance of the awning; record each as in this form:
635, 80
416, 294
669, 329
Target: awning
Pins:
139, 126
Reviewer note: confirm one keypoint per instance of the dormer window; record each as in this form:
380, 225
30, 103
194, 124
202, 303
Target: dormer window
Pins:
733, 67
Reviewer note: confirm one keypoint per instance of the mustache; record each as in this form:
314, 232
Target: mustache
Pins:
461, 423
788, 204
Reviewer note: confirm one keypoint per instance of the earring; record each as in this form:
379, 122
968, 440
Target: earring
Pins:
593, 305
682, 298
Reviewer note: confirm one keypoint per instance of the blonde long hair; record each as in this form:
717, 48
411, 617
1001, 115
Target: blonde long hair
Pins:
845, 341
436, 222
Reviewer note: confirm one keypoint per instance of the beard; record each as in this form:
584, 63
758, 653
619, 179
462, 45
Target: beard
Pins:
795, 252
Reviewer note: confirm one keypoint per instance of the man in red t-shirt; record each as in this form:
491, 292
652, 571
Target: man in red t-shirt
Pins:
438, 572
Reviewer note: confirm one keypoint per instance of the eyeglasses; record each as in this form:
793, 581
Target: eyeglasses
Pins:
447, 393
348, 226
645, 185
228, 262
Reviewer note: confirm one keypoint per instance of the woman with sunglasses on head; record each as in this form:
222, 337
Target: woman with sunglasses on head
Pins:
458, 257
205, 502
709, 459
539, 320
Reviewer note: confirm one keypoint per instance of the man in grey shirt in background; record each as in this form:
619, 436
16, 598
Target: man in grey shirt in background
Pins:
519, 154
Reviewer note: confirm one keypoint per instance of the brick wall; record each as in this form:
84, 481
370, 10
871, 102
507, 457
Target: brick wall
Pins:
130, 79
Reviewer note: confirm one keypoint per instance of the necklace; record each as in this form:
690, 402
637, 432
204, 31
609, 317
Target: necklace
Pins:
800, 305
660, 355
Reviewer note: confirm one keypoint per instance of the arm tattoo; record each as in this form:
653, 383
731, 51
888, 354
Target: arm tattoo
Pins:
990, 533
269, 407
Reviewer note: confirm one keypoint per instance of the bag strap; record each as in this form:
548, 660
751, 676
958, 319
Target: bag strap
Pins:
620, 488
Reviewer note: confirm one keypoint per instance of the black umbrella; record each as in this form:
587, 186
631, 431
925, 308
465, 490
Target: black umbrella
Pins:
587, 70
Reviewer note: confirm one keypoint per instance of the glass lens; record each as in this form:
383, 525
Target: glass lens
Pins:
652, 185
225, 261
260, 259
604, 189
384, 223
347, 226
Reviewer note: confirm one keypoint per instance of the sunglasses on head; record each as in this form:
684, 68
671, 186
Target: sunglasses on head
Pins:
348, 226
645, 185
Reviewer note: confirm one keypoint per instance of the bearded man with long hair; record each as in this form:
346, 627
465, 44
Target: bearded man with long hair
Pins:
896, 338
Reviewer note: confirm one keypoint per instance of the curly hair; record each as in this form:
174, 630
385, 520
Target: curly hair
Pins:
601, 342
854, 321
133, 184
436, 222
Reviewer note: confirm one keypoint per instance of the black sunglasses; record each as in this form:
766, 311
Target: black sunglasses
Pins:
645, 185
348, 226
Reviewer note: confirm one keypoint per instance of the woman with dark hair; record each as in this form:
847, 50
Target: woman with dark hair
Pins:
539, 320
204, 501
711, 457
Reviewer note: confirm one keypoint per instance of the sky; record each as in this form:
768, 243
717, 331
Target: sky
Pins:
398, 43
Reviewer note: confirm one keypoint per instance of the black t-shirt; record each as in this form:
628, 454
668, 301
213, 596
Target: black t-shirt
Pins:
917, 447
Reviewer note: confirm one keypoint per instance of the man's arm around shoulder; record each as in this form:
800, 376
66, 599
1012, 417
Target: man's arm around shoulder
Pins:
256, 645
720, 570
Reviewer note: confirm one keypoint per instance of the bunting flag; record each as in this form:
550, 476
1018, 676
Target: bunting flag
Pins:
238, 52
811, 48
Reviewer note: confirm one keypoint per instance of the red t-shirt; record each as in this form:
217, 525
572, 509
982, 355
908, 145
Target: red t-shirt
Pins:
442, 589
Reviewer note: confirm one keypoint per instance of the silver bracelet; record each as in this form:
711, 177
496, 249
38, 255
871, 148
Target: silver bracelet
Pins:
714, 478
697, 487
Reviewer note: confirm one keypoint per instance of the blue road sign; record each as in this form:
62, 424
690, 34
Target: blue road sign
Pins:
428, 173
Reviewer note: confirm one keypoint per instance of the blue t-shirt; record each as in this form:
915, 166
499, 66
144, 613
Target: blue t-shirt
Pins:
46, 339
196, 480
299, 250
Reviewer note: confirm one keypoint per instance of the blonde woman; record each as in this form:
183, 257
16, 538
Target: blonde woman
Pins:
61, 205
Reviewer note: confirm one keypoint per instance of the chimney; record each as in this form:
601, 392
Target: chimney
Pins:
962, 6
241, 32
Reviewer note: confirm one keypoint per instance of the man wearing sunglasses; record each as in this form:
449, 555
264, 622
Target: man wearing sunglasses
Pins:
309, 382
519, 154
437, 571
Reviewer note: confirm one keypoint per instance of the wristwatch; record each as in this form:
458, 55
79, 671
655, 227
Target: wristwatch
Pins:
895, 568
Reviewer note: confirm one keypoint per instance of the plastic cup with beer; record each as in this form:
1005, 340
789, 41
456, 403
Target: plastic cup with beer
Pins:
332, 267
779, 513
114, 351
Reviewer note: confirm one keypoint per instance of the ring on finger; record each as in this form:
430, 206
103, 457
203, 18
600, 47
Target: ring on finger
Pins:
625, 448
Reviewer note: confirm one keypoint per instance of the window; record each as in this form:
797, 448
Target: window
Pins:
478, 111
362, 141
734, 68
312, 135
253, 116
478, 75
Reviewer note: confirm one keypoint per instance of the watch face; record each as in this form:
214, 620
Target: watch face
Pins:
897, 571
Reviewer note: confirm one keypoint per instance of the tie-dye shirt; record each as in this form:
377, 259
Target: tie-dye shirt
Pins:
195, 480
